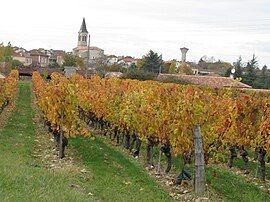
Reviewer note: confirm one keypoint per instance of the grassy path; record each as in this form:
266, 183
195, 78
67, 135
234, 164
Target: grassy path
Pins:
232, 187
115, 176
23, 176
224, 184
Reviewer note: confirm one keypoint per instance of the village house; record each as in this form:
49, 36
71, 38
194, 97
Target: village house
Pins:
112, 59
127, 61
23, 57
39, 57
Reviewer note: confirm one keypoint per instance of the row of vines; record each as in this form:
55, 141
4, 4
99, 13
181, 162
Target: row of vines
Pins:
161, 114
58, 102
166, 114
8, 89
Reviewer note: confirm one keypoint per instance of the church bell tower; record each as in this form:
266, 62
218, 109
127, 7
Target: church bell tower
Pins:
82, 35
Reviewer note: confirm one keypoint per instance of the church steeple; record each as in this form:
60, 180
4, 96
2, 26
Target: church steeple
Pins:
83, 27
83, 33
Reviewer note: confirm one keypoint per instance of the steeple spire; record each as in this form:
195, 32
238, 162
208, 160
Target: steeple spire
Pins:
83, 34
83, 27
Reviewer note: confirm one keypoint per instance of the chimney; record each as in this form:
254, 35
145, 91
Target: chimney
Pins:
184, 51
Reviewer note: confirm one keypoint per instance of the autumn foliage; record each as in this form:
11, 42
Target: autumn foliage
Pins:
9, 88
164, 112
56, 99
169, 112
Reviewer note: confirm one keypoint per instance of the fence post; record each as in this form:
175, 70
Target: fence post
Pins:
199, 179
61, 150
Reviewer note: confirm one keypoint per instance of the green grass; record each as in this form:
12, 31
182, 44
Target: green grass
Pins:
253, 167
232, 187
116, 178
223, 183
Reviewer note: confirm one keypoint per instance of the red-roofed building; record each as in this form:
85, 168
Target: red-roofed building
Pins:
211, 81
127, 61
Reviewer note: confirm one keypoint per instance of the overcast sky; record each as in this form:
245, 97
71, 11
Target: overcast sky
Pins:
224, 29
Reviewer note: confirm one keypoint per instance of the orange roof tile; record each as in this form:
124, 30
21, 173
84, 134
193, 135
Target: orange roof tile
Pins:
212, 81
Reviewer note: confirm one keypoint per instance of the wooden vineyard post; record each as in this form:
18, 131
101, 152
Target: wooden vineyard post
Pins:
159, 161
61, 152
199, 179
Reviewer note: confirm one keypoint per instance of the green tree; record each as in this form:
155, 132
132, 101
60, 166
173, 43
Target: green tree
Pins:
173, 69
140, 63
6, 53
238, 65
133, 66
113, 68
6, 57
138, 74
54, 64
185, 69
250, 71
152, 62
263, 79
264, 71
15, 64
228, 72
80, 62
69, 60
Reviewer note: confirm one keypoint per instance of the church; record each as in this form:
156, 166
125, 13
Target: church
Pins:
81, 50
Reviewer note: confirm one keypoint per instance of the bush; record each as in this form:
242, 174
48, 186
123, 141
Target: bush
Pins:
114, 68
174, 79
139, 75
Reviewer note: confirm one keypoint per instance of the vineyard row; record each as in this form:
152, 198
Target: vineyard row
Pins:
8, 89
158, 113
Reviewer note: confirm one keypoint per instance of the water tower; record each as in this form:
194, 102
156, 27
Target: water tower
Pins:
184, 51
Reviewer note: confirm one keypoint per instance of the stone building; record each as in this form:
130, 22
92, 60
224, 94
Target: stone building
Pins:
81, 50
39, 57
23, 57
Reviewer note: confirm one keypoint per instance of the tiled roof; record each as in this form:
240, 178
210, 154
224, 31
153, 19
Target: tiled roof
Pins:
112, 56
20, 54
95, 48
58, 52
38, 52
128, 59
14, 54
30, 70
212, 81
